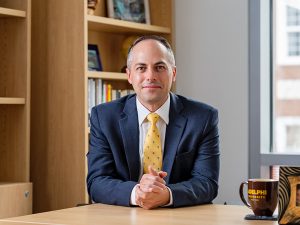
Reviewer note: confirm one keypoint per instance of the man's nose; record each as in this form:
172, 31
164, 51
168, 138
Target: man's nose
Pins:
151, 74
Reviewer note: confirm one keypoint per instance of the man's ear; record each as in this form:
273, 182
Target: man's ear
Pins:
174, 71
128, 76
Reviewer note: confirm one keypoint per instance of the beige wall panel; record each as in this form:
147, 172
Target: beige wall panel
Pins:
57, 137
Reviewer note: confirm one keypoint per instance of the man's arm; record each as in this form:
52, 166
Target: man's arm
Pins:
103, 182
202, 187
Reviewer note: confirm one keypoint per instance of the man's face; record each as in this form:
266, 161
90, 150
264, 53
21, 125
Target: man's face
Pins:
151, 73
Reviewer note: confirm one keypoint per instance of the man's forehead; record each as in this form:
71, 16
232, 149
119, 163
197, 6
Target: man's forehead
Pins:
142, 62
148, 42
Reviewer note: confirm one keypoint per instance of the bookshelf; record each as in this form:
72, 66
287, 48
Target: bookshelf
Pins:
61, 33
7, 12
13, 101
15, 34
104, 24
107, 75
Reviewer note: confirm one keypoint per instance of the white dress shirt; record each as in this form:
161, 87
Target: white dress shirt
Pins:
144, 124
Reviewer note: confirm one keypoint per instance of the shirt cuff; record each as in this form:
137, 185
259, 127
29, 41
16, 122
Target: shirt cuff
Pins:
132, 196
171, 198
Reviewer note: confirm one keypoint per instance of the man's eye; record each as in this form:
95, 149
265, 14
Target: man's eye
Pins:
141, 68
160, 68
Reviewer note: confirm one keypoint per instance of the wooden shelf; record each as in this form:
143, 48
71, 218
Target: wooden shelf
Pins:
107, 75
16, 199
6, 12
99, 23
15, 30
12, 101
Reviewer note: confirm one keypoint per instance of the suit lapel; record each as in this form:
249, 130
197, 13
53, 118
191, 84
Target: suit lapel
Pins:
177, 123
130, 133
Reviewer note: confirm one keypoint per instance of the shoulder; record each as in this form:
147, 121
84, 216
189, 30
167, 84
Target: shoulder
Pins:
196, 112
116, 107
191, 106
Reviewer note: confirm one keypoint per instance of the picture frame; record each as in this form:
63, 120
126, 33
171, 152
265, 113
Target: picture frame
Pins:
129, 10
94, 60
289, 195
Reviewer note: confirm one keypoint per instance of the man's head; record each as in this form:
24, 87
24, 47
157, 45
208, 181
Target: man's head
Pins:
160, 39
151, 70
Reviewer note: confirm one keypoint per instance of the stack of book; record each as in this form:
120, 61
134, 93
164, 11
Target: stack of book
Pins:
100, 91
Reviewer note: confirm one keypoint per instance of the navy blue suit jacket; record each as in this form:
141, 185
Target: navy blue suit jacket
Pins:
191, 152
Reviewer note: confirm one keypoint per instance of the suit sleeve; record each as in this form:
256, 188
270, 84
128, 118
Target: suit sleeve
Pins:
103, 183
202, 187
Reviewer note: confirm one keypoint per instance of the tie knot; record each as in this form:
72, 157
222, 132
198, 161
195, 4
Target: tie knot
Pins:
153, 117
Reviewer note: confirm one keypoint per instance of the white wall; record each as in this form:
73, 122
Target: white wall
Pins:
211, 41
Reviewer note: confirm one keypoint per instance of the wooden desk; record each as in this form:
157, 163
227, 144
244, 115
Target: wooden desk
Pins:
113, 215
19, 223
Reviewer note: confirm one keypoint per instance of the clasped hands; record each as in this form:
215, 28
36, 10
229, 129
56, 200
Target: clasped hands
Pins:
152, 191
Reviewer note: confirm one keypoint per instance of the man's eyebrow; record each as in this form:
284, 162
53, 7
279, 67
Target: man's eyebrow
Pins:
140, 64
160, 62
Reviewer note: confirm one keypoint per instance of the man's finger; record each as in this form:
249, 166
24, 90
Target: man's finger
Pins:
162, 174
155, 187
152, 171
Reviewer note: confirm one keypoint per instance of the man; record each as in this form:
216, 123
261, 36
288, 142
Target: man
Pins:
122, 170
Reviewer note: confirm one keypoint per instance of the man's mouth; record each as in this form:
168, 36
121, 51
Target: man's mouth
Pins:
151, 86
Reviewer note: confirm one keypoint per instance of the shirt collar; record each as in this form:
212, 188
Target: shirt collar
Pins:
163, 111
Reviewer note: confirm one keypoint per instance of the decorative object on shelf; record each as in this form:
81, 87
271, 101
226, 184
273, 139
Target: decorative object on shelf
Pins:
125, 47
289, 195
92, 4
129, 10
94, 61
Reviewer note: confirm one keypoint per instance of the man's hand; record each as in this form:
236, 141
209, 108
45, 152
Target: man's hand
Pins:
152, 191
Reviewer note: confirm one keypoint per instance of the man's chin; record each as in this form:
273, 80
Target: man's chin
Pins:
153, 99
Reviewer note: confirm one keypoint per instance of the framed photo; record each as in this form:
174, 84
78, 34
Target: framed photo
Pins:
129, 10
289, 195
94, 61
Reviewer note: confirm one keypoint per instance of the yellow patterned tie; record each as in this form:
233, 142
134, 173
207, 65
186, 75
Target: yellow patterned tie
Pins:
152, 145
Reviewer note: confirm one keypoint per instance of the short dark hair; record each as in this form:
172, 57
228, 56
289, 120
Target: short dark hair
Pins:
160, 39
